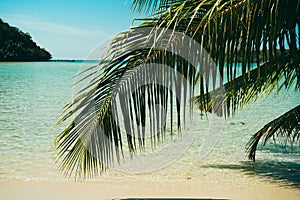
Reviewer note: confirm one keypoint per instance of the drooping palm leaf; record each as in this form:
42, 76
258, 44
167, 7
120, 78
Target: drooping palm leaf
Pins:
231, 32
277, 74
138, 81
287, 126
241, 36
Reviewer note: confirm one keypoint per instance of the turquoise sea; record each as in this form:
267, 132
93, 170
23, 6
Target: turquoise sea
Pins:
32, 95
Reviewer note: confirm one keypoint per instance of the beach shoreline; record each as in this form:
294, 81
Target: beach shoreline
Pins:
140, 188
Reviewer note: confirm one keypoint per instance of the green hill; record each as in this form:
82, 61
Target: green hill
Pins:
16, 45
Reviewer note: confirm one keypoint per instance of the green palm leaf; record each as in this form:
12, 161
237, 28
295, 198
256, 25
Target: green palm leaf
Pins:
93, 141
265, 32
287, 126
275, 75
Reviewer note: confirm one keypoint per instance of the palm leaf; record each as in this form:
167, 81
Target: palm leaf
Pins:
242, 37
277, 74
287, 126
89, 144
248, 31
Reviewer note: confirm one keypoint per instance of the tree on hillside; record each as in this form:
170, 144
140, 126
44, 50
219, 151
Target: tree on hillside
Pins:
16, 45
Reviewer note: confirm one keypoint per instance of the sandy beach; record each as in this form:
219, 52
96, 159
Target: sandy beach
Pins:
143, 188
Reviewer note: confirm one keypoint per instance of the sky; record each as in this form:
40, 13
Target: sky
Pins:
68, 29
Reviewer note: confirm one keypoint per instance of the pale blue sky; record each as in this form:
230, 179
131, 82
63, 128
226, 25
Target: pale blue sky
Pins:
68, 29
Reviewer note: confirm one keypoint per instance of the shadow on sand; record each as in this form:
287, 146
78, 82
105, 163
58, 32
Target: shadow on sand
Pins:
166, 199
287, 172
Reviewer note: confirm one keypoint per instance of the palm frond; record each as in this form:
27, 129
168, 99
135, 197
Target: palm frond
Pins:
242, 37
265, 32
287, 126
145, 70
277, 74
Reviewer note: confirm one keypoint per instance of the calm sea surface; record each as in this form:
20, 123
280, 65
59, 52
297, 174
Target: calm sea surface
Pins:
32, 95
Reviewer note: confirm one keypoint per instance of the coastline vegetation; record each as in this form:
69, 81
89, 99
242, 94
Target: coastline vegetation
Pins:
16, 45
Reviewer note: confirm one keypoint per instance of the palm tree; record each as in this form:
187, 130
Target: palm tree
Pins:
255, 44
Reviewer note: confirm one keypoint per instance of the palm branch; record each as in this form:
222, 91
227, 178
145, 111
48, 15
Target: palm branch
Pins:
278, 74
259, 38
249, 31
286, 126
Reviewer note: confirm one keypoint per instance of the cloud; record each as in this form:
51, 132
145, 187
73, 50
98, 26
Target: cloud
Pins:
36, 24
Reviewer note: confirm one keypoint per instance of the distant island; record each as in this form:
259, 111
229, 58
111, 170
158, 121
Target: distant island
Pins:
16, 45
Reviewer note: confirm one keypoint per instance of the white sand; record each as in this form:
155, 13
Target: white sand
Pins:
124, 188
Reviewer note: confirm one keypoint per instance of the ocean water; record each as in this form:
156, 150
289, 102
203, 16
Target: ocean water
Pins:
32, 95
